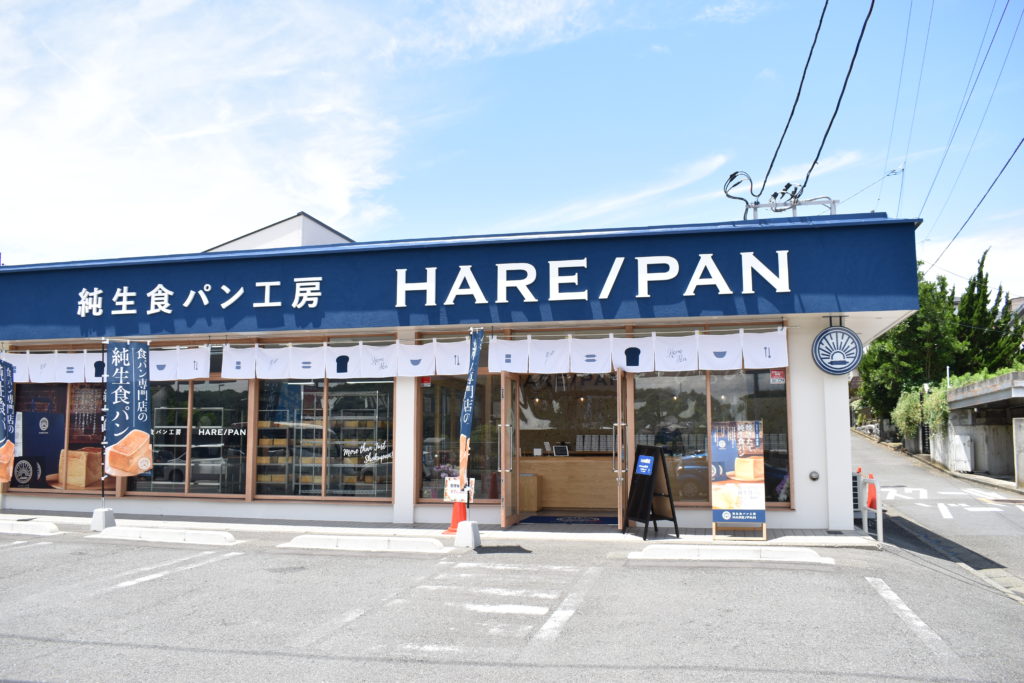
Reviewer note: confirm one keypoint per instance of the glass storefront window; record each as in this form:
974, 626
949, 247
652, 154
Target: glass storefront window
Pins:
218, 455
170, 432
671, 412
575, 412
751, 396
360, 456
289, 451
442, 407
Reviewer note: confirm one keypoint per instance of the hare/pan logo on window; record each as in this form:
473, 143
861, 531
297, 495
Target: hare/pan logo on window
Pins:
837, 350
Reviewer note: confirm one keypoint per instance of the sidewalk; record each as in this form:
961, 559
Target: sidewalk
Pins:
489, 534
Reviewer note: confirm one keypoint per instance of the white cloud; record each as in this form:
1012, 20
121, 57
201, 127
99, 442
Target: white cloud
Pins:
1006, 253
571, 215
150, 128
732, 11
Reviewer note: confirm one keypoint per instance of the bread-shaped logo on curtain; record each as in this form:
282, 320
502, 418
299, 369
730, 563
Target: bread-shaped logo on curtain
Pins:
128, 430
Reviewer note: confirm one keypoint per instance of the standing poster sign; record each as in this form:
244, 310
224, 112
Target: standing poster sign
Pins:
6, 421
737, 461
128, 427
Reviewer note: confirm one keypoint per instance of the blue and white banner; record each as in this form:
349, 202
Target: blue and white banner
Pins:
7, 424
128, 423
720, 351
476, 344
415, 360
591, 356
765, 350
633, 354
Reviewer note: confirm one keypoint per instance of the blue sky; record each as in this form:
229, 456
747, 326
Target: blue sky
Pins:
131, 128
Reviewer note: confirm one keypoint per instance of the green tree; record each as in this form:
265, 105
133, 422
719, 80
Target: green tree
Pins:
989, 332
913, 352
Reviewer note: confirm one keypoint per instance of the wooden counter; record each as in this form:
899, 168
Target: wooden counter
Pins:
572, 482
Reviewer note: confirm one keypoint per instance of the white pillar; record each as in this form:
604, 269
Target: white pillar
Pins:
838, 452
406, 457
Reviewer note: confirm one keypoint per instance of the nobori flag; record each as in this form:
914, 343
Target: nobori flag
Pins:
128, 425
6, 421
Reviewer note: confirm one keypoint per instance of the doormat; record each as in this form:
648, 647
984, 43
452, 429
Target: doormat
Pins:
569, 519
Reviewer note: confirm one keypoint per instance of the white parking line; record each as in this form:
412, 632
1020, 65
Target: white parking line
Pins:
932, 639
166, 564
21, 545
561, 616
944, 511
982, 509
500, 592
160, 575
516, 567
1021, 508
532, 610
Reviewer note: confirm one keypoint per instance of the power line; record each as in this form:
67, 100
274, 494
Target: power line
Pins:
896, 104
792, 110
976, 207
839, 101
984, 115
965, 101
913, 116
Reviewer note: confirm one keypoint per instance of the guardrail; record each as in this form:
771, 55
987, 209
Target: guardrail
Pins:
867, 501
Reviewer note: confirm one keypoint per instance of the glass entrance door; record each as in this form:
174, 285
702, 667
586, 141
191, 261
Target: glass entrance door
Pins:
509, 451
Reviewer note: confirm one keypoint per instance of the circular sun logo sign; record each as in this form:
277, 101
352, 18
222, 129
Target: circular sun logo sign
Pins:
837, 350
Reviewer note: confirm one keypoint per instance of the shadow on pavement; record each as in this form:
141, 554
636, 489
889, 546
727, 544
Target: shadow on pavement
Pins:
502, 549
918, 539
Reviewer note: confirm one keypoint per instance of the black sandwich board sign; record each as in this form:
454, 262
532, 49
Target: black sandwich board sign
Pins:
650, 494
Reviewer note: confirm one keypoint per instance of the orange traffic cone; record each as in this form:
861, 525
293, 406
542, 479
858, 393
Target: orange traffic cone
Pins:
872, 502
458, 515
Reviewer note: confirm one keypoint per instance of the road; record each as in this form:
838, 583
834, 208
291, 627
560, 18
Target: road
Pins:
981, 526
76, 607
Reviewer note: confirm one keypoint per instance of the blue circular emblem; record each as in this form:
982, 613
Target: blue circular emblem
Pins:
837, 350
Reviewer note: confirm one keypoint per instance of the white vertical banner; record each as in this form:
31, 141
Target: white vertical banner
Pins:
590, 356
272, 363
721, 351
549, 356
306, 362
508, 355
163, 365
70, 368
675, 354
94, 367
379, 361
633, 354
415, 360
344, 362
452, 358
20, 363
194, 363
765, 350
238, 362
42, 367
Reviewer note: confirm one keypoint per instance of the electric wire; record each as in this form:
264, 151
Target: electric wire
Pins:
984, 115
792, 110
839, 101
977, 206
868, 187
972, 83
913, 115
896, 104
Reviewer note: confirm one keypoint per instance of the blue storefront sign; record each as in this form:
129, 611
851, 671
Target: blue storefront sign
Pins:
749, 268
645, 465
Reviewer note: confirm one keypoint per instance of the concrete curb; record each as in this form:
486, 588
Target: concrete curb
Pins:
367, 543
29, 528
707, 553
192, 536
